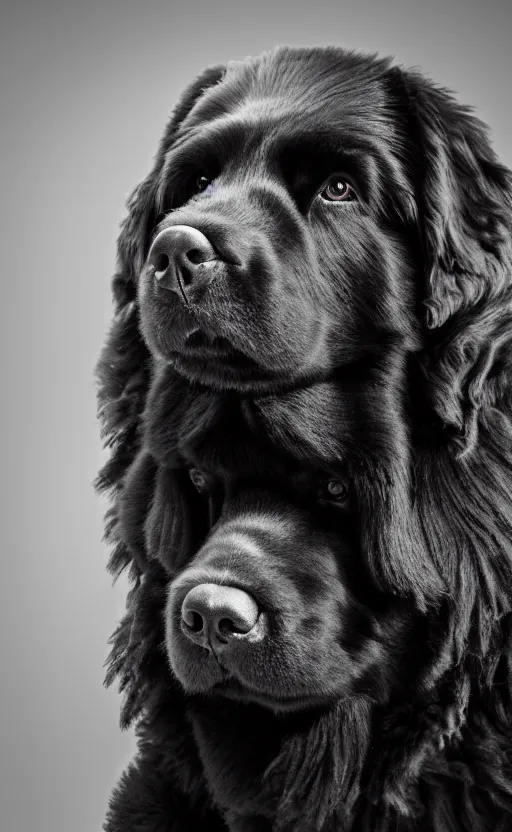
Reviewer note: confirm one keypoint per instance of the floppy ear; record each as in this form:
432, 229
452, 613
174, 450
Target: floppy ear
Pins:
124, 368
465, 217
177, 522
175, 416
318, 423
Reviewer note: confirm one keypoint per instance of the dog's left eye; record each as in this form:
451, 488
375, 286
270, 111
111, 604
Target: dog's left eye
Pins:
334, 491
337, 189
203, 184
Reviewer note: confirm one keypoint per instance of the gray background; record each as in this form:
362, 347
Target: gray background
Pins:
86, 89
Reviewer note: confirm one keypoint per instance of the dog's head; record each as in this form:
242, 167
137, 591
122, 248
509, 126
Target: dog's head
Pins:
310, 209
282, 241
276, 607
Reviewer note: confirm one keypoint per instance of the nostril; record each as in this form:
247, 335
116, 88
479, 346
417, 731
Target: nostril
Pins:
193, 620
161, 264
227, 626
195, 255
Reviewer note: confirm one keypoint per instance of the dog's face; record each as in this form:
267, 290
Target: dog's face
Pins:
284, 245
276, 607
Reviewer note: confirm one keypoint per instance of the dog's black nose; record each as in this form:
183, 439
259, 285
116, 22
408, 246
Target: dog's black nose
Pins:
211, 614
178, 255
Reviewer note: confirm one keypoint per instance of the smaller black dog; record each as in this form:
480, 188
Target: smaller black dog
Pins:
276, 609
266, 647
273, 628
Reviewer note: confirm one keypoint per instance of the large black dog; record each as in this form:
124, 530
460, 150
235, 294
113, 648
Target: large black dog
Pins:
307, 392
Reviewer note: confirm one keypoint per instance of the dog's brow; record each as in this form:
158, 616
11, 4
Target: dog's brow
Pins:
230, 135
222, 136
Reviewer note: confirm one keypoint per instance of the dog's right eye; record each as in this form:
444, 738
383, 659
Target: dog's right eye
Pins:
334, 491
337, 189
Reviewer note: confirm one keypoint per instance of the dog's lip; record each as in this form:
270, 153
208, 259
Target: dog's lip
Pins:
231, 684
199, 344
199, 338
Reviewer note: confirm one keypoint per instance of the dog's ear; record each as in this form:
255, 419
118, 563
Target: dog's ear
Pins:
464, 211
124, 368
133, 506
177, 521
160, 515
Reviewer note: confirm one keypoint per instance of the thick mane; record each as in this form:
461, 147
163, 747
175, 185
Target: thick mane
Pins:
463, 476
465, 216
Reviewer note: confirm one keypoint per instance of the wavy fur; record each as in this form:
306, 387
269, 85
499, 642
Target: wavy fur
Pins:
422, 424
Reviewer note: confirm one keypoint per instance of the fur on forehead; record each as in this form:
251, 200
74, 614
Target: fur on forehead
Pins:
286, 85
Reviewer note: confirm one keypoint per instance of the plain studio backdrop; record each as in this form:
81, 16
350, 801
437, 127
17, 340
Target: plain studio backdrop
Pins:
86, 90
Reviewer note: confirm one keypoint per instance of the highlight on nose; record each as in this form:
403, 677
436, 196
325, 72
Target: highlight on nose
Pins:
211, 614
177, 255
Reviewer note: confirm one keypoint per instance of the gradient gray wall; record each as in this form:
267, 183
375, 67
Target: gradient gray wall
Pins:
86, 89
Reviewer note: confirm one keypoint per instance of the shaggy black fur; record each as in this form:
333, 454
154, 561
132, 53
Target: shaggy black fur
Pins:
320, 416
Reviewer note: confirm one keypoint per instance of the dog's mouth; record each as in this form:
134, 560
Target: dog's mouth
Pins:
230, 687
201, 344
201, 351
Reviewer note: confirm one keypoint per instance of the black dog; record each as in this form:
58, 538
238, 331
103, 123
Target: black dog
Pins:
306, 388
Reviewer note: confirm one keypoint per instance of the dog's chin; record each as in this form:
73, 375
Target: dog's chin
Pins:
216, 354
222, 366
231, 688
214, 361
204, 356
215, 677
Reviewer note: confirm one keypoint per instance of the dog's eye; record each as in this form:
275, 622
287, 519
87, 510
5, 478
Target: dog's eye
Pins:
198, 479
203, 184
337, 189
334, 491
